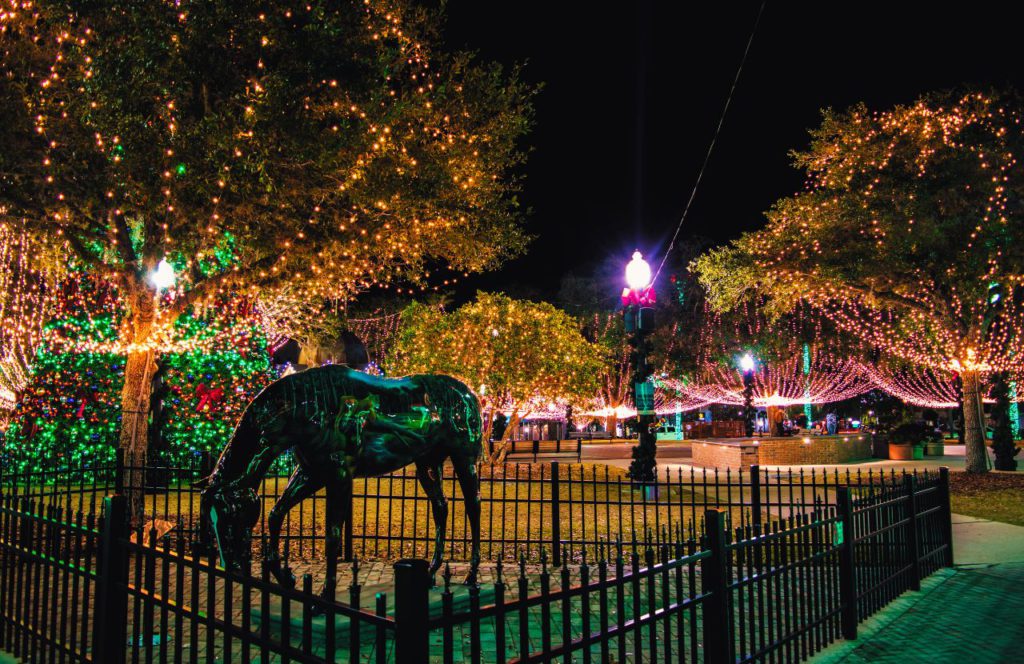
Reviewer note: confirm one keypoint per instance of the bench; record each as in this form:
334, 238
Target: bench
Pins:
547, 449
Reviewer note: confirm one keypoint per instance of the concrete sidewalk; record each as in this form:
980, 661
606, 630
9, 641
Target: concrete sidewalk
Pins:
960, 614
971, 612
982, 542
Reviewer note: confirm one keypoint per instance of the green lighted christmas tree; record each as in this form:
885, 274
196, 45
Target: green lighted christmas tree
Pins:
208, 388
69, 415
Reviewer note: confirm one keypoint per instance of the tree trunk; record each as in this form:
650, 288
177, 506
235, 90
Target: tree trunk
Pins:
611, 423
488, 423
974, 424
772, 413
138, 382
501, 449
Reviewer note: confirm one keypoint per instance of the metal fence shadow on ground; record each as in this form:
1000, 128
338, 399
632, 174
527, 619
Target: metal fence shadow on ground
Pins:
86, 588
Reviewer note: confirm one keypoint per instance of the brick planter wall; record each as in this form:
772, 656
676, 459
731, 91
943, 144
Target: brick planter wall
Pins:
790, 451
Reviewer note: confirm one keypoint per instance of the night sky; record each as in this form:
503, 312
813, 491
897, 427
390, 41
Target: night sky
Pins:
632, 95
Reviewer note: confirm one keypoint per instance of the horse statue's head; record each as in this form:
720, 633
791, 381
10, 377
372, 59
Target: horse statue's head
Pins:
232, 514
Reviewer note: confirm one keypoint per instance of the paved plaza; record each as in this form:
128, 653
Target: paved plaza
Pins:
967, 613
971, 612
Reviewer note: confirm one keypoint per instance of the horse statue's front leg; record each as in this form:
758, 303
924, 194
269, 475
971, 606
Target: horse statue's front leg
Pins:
301, 485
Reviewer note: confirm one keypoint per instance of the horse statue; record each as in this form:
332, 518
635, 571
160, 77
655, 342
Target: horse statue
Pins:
341, 424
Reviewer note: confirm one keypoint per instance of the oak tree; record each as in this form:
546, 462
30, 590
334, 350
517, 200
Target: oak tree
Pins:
907, 237
518, 355
326, 146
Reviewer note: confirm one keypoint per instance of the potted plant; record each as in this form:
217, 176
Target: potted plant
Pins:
906, 442
882, 413
933, 444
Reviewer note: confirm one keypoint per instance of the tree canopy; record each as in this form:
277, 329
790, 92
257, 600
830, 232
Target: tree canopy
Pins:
327, 148
333, 142
907, 235
517, 354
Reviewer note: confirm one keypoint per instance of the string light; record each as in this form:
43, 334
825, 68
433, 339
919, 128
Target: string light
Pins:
779, 384
26, 301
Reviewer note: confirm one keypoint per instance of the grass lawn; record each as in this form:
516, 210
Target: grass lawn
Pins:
994, 496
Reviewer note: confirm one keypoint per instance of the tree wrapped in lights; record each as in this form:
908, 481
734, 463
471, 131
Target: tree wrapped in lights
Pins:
26, 301
907, 237
288, 313
518, 355
333, 141
613, 393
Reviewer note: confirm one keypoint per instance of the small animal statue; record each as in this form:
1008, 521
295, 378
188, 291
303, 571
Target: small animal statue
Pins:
340, 424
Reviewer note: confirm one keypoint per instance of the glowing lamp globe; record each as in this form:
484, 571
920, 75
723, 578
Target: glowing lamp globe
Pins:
163, 277
747, 363
638, 272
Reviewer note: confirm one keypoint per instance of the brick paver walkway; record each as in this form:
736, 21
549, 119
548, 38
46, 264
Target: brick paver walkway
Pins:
967, 614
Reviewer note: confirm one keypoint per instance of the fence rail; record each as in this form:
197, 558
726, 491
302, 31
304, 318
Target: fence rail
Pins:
570, 510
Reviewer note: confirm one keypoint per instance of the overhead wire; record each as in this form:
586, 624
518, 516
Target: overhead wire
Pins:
711, 146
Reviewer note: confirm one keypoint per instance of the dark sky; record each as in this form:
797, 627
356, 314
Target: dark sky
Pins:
633, 92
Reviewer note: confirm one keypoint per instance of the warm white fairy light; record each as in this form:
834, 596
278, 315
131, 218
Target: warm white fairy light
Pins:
27, 297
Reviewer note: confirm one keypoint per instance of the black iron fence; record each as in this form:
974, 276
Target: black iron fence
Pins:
569, 510
84, 587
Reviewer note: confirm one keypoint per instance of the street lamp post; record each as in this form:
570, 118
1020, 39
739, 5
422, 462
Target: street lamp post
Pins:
638, 299
747, 367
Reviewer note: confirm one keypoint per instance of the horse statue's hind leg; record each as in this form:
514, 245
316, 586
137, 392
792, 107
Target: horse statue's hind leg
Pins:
469, 483
430, 476
339, 492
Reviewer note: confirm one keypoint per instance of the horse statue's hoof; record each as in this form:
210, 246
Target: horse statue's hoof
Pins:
283, 574
328, 596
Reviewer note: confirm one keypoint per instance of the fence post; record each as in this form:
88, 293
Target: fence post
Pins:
847, 569
110, 628
412, 583
715, 586
347, 553
755, 493
556, 519
913, 548
119, 471
947, 513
